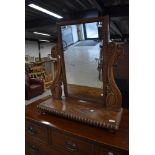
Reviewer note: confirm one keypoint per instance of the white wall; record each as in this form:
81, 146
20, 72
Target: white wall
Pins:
45, 49
80, 32
74, 33
31, 48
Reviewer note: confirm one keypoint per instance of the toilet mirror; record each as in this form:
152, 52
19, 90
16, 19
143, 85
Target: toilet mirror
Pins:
82, 44
84, 87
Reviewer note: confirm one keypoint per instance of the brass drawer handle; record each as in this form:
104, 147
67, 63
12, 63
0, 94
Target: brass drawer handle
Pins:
34, 149
70, 146
31, 130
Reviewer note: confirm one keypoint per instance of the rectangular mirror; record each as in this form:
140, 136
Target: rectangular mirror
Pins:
83, 52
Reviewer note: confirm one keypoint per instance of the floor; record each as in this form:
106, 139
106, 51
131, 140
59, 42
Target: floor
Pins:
81, 65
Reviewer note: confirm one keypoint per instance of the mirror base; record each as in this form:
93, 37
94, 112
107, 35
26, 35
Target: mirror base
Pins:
83, 111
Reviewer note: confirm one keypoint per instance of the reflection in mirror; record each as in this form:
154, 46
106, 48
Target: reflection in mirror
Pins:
83, 59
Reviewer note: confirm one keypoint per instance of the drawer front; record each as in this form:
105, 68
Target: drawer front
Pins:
71, 144
113, 152
33, 148
36, 131
102, 150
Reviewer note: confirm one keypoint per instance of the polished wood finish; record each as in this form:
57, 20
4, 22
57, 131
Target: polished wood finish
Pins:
37, 131
110, 98
83, 111
56, 89
86, 93
32, 146
114, 96
65, 136
70, 143
121, 70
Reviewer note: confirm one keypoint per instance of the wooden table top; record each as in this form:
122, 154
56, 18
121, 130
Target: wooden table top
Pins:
119, 139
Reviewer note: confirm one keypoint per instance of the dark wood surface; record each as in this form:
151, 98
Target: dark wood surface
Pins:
83, 111
118, 140
121, 70
86, 93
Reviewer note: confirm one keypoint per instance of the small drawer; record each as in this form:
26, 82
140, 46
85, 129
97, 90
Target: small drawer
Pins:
37, 131
35, 148
71, 144
113, 152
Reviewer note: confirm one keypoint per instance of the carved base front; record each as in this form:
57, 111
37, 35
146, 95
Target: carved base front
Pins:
82, 111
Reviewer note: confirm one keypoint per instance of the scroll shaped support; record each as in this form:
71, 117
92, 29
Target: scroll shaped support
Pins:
114, 96
56, 89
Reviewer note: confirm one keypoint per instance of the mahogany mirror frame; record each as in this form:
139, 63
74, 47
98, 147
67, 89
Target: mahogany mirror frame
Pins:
106, 115
112, 98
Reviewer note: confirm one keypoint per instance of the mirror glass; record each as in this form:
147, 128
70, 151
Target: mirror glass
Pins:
83, 57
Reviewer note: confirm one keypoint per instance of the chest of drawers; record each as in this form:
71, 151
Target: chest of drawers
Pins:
51, 135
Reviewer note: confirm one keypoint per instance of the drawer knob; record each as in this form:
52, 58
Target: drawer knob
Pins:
110, 153
70, 146
31, 130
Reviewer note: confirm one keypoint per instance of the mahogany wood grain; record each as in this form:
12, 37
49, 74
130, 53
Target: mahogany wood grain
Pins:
121, 70
83, 111
37, 131
34, 147
99, 137
70, 143
86, 93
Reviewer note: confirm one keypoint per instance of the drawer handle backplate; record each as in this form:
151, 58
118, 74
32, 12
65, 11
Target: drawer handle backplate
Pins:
31, 130
70, 146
